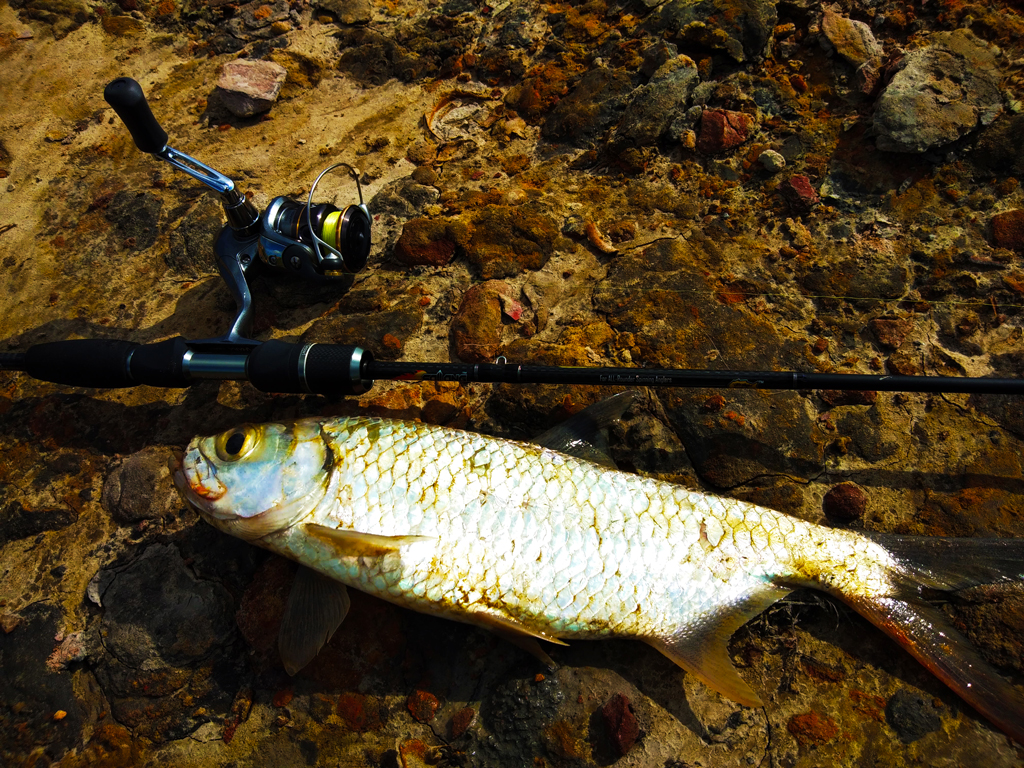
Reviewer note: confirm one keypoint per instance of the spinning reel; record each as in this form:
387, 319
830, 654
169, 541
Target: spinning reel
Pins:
316, 241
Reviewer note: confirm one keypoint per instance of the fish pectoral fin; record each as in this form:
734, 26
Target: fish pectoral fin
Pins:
518, 634
583, 435
316, 607
704, 651
357, 544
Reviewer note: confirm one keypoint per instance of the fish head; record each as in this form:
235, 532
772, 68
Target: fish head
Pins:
255, 479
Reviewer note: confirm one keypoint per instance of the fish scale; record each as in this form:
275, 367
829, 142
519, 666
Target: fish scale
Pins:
539, 544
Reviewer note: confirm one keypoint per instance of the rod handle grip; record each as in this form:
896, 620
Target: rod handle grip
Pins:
81, 362
322, 369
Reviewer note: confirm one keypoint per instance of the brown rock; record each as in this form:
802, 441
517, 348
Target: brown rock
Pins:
851, 39
422, 152
1008, 230
844, 503
360, 713
902, 364
250, 87
621, 723
140, 488
834, 397
721, 129
891, 332
461, 721
505, 240
426, 242
424, 175
476, 329
422, 705
812, 729
123, 26
348, 11
799, 193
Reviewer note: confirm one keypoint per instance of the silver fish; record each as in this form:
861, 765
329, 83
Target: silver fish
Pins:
542, 542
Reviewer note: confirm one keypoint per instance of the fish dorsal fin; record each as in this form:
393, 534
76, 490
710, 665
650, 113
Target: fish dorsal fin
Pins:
357, 544
316, 607
705, 652
583, 435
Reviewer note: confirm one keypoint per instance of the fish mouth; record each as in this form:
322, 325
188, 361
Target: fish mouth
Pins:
186, 471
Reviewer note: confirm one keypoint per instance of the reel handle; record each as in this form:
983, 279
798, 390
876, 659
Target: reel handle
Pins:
127, 99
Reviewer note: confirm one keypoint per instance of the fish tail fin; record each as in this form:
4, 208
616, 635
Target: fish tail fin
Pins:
924, 564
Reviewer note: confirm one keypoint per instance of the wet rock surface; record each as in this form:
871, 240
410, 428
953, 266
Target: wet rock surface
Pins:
716, 185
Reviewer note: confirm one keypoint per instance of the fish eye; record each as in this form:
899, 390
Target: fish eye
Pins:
236, 443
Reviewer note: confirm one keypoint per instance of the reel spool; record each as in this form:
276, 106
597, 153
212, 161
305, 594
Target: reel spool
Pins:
295, 235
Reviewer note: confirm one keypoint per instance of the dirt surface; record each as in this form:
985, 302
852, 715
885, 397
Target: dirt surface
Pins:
723, 184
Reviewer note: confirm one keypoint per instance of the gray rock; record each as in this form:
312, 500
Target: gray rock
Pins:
250, 87
405, 198
20, 522
743, 442
741, 28
658, 54
136, 216
771, 161
158, 613
191, 253
911, 716
29, 679
941, 93
140, 487
590, 109
998, 148
166, 635
652, 107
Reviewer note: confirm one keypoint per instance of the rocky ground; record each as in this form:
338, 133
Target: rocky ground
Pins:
734, 184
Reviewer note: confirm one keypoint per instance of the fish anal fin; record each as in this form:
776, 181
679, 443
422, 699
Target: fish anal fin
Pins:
316, 607
517, 633
358, 544
703, 650
527, 644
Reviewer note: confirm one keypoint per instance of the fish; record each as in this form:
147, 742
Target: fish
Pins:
548, 541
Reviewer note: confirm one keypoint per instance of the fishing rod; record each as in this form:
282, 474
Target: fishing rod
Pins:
340, 369
324, 242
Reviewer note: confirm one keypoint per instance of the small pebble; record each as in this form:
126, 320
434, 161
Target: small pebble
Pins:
772, 161
422, 705
844, 503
